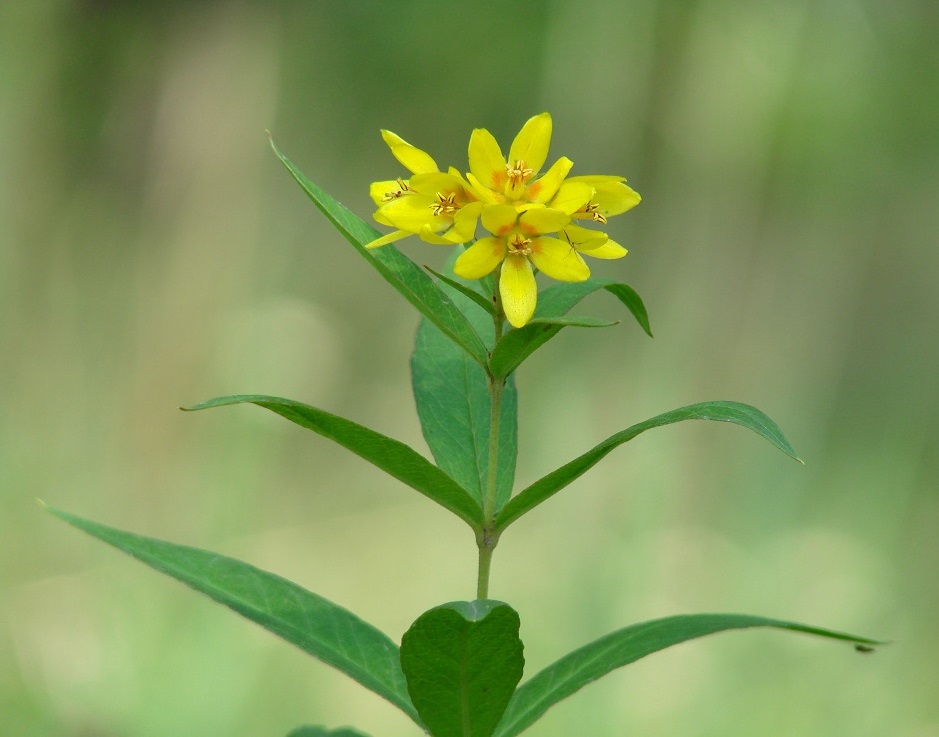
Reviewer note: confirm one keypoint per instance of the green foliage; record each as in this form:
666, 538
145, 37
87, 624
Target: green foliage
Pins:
462, 662
721, 411
396, 268
517, 345
557, 299
317, 626
452, 395
575, 670
391, 456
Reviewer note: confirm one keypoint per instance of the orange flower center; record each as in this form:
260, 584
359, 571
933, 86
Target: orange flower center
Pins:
519, 245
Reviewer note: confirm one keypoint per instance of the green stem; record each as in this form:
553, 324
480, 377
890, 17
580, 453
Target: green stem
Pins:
487, 538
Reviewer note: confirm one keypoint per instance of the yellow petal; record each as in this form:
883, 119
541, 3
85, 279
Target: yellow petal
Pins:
572, 196
612, 195
483, 193
532, 142
480, 258
584, 239
390, 238
499, 219
464, 223
429, 236
518, 290
486, 161
546, 187
379, 218
379, 191
412, 213
432, 183
558, 259
411, 157
609, 249
540, 220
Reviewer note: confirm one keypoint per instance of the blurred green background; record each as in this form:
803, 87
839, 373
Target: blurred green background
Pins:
153, 253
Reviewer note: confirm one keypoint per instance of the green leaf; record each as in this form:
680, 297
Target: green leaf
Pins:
557, 299
308, 731
487, 304
517, 345
391, 456
453, 403
462, 662
315, 625
396, 268
577, 669
735, 412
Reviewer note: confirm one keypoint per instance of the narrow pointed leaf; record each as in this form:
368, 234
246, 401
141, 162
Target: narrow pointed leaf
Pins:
735, 412
392, 456
577, 669
462, 662
315, 625
309, 731
517, 345
396, 268
453, 403
466, 291
557, 299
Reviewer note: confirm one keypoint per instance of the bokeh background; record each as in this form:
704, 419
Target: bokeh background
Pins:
153, 253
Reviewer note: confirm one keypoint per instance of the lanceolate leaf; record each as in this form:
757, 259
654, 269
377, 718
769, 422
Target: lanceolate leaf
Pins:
577, 669
517, 345
487, 304
396, 268
392, 456
557, 299
462, 662
453, 403
315, 625
735, 412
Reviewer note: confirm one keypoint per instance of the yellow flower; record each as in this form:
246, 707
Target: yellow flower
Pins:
518, 242
516, 203
610, 196
440, 207
515, 180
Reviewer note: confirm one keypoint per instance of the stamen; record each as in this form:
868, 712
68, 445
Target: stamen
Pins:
402, 190
445, 204
520, 245
518, 173
593, 209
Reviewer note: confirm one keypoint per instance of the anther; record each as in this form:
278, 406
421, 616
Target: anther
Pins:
402, 190
518, 173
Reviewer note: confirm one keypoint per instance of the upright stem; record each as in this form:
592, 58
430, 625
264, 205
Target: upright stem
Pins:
487, 540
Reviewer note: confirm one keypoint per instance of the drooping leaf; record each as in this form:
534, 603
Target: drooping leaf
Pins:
453, 404
462, 662
577, 669
721, 411
317, 626
392, 456
396, 268
310, 731
517, 345
557, 299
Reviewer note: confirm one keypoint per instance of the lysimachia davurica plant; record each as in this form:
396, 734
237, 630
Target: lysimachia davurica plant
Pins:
457, 670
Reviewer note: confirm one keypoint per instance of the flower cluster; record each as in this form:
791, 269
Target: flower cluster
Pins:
529, 215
